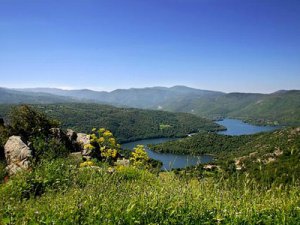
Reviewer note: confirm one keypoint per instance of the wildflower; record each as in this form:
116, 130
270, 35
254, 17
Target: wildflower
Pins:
101, 130
107, 133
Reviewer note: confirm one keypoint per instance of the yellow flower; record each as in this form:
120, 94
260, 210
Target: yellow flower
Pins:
93, 136
86, 163
112, 141
101, 140
89, 147
101, 130
107, 133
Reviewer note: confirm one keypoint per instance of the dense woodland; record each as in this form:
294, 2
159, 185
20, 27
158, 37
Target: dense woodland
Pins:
126, 123
203, 143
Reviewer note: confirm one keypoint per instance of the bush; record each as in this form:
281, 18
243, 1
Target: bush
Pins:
3, 172
48, 148
139, 157
4, 134
103, 145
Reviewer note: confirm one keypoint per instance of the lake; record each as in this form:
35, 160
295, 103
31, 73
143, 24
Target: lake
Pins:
170, 161
238, 127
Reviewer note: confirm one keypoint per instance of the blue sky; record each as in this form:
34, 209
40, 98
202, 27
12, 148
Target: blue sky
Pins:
226, 45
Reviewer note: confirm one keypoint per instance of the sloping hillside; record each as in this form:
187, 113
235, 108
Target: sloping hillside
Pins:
279, 107
127, 124
267, 157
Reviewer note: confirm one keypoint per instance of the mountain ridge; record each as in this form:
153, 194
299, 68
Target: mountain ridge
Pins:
281, 107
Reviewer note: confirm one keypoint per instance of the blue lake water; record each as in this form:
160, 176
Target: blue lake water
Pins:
169, 160
238, 127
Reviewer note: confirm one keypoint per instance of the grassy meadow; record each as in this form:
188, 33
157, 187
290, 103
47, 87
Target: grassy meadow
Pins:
60, 192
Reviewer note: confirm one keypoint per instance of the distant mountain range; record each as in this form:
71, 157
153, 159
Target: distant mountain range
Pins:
134, 97
282, 106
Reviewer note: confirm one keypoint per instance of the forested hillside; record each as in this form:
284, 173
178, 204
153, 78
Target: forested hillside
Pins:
127, 124
282, 107
267, 157
276, 108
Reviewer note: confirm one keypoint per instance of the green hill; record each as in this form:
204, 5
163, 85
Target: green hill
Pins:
279, 107
126, 123
9, 96
267, 157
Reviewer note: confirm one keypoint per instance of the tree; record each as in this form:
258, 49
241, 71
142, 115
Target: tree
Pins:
26, 121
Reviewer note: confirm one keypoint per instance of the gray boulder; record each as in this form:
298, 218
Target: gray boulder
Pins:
17, 154
72, 135
83, 140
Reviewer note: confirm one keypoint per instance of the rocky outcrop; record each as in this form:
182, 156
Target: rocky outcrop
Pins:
18, 155
72, 135
83, 140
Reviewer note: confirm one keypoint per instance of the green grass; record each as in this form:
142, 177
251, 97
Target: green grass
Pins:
73, 195
164, 126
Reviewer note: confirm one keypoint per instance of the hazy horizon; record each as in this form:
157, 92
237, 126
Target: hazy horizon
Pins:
86, 88
229, 45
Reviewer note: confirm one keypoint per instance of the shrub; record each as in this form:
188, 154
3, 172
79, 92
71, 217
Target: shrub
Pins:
139, 157
48, 148
103, 145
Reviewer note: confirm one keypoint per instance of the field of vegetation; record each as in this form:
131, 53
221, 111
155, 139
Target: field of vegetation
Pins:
61, 188
73, 195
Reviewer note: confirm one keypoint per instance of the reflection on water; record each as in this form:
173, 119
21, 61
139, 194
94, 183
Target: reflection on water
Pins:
238, 127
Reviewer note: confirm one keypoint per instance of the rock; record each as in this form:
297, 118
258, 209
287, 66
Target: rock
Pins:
17, 154
122, 162
278, 152
210, 167
84, 139
72, 135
